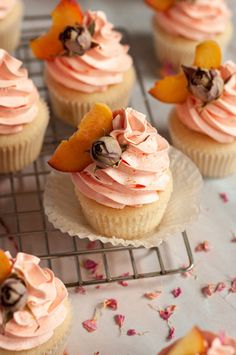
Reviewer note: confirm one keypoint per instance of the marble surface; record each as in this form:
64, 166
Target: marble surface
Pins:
217, 224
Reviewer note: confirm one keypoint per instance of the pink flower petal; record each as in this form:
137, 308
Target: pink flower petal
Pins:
111, 303
220, 287
119, 320
204, 246
167, 312
90, 325
171, 333
208, 290
233, 286
233, 240
152, 295
91, 244
90, 264
131, 332
123, 283
81, 290
188, 273
99, 276
176, 292
224, 197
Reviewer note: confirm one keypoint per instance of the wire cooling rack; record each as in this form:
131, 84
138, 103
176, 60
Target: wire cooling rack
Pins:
24, 226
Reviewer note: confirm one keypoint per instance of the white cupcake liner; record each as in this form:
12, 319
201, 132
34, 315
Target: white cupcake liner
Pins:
64, 211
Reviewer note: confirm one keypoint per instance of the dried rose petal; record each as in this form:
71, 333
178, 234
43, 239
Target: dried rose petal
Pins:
152, 295
208, 290
233, 286
119, 320
111, 303
99, 276
123, 283
204, 246
90, 325
171, 333
81, 290
224, 197
90, 264
167, 312
176, 292
233, 240
220, 287
188, 273
131, 332
125, 274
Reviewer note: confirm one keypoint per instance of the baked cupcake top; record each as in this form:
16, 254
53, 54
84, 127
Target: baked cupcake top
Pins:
195, 20
202, 343
6, 7
18, 95
31, 302
205, 94
88, 56
125, 164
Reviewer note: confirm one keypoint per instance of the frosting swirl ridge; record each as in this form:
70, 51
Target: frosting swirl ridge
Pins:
99, 67
18, 95
196, 21
142, 172
218, 118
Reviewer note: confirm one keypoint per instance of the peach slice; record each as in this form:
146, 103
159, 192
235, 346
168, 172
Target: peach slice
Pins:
172, 89
208, 55
48, 46
73, 155
5, 266
160, 5
193, 343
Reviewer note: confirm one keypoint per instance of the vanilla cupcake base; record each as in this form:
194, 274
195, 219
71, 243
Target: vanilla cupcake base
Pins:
55, 345
21, 149
10, 28
180, 50
70, 105
213, 159
129, 222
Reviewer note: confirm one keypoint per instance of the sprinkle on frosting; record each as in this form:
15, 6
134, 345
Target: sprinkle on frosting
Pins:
143, 169
99, 67
18, 95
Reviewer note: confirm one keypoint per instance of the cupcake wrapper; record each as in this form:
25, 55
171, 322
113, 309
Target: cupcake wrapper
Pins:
10, 28
129, 223
71, 108
178, 50
21, 149
65, 213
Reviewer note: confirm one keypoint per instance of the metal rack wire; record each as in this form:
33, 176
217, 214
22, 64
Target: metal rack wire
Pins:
23, 224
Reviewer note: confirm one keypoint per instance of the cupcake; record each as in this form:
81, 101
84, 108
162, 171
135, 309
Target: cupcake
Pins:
178, 27
202, 343
120, 168
85, 62
11, 13
203, 123
35, 315
23, 116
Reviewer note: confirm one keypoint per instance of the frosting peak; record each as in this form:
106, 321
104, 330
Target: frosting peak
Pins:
18, 95
46, 296
202, 19
100, 66
142, 172
218, 118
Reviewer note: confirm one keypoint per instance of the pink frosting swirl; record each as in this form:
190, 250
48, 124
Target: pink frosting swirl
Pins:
18, 95
99, 67
142, 172
218, 118
46, 302
6, 7
200, 20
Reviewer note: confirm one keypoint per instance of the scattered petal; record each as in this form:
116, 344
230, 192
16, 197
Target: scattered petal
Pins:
90, 325
188, 273
91, 244
152, 295
176, 292
204, 246
208, 290
233, 286
233, 240
171, 333
111, 303
224, 197
90, 264
81, 290
131, 332
123, 283
167, 312
98, 286
119, 320
220, 287
99, 276
125, 274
